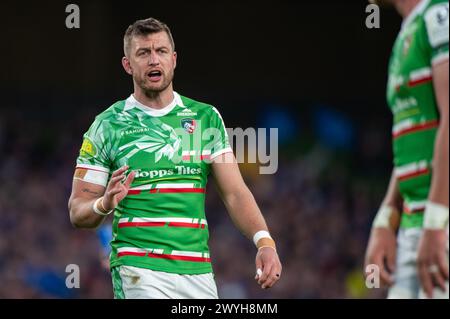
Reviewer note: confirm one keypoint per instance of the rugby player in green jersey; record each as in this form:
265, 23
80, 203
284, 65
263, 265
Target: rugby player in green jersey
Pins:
414, 262
146, 159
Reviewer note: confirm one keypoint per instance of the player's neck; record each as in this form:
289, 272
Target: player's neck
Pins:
405, 7
158, 100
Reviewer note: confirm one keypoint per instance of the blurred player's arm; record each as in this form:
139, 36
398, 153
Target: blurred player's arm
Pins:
393, 199
85, 195
432, 247
245, 214
382, 246
440, 180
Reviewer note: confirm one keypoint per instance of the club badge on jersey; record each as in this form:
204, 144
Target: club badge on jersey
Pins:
188, 125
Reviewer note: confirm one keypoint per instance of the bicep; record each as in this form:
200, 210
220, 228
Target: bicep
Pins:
440, 83
227, 175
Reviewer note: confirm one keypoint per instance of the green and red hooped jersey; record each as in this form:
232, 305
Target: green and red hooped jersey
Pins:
421, 43
161, 223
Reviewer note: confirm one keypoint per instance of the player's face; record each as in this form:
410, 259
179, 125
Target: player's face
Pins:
152, 62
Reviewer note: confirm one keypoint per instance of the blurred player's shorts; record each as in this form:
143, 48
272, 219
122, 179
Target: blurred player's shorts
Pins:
407, 285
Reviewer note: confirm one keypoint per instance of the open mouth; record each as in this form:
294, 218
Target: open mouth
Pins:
154, 75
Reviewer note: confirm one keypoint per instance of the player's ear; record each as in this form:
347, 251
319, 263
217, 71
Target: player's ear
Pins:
174, 59
126, 65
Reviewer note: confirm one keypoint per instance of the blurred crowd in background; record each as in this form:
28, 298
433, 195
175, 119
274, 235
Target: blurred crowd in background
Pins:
311, 69
332, 174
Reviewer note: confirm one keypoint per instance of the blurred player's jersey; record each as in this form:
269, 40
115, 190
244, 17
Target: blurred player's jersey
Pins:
421, 43
161, 223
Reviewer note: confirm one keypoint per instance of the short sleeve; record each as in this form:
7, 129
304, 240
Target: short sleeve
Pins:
95, 153
436, 22
220, 143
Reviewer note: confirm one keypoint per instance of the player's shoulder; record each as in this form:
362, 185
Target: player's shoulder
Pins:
111, 111
432, 3
436, 18
197, 106
436, 10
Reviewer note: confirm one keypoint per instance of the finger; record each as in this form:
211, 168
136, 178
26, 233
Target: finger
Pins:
273, 278
120, 171
270, 279
438, 280
265, 275
113, 181
129, 179
425, 279
391, 259
443, 265
259, 267
114, 191
273, 281
279, 270
258, 273
269, 283
385, 276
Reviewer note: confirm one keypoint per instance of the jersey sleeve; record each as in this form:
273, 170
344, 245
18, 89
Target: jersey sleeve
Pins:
94, 157
436, 22
220, 143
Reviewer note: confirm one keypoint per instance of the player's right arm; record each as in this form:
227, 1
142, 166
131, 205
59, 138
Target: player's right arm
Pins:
85, 195
81, 204
382, 246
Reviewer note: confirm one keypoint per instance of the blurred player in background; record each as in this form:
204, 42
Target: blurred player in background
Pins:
414, 263
160, 234
104, 235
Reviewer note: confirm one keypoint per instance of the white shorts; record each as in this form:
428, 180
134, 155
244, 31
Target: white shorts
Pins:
407, 284
140, 283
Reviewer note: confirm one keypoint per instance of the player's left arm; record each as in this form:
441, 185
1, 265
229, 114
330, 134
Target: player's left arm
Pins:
432, 258
246, 215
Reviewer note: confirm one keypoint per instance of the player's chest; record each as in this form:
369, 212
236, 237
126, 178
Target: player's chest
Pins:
408, 66
165, 142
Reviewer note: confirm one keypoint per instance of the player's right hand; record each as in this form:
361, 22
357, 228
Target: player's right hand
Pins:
116, 190
381, 251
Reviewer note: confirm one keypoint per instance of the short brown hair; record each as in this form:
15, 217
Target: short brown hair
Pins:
144, 27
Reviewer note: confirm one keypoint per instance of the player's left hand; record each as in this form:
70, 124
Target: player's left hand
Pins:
432, 260
268, 267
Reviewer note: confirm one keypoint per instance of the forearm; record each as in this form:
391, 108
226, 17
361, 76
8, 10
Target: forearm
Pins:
440, 181
393, 198
82, 214
244, 212
388, 215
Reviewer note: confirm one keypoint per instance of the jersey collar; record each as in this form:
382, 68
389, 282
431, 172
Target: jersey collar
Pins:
413, 14
131, 102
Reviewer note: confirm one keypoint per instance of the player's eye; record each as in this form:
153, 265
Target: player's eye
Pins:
142, 53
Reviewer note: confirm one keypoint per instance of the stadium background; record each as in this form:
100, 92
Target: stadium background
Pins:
311, 69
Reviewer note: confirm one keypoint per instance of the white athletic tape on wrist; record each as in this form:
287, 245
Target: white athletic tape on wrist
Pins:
435, 216
383, 217
259, 235
98, 211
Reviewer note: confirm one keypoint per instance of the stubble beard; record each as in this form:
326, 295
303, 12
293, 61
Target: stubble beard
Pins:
153, 91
